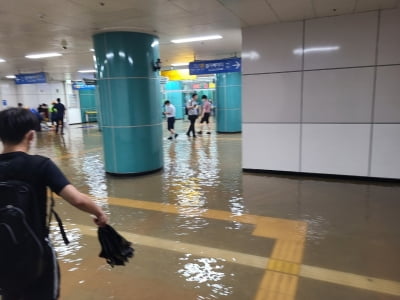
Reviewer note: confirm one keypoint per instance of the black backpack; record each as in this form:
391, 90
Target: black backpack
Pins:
23, 242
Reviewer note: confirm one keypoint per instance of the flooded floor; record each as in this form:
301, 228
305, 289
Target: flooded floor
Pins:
203, 229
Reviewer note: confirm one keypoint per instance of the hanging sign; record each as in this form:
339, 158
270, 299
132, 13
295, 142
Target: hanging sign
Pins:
30, 78
215, 66
82, 86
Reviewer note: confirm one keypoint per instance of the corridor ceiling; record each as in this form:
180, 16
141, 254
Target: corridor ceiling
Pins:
38, 26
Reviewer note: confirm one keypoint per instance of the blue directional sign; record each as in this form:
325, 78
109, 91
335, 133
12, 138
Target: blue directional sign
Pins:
30, 78
215, 66
82, 86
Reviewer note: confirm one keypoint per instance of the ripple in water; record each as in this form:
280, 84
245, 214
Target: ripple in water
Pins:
208, 273
66, 253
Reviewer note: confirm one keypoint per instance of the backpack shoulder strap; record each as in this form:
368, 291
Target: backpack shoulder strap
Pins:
58, 219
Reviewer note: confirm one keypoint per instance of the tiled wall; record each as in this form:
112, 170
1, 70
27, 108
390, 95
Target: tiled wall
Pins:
332, 108
8, 92
31, 95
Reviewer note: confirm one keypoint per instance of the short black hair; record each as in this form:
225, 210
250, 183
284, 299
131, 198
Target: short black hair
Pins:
204, 97
167, 102
194, 94
15, 123
58, 100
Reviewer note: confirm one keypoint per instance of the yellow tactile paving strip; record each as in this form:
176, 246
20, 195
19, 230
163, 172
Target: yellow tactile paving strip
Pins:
289, 246
282, 269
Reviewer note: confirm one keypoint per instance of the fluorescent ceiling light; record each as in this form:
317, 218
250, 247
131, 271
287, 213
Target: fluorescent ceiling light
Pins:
43, 55
92, 49
2, 60
180, 64
10, 76
197, 39
87, 71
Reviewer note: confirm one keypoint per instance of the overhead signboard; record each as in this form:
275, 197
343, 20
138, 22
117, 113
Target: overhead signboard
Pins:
215, 66
30, 78
82, 86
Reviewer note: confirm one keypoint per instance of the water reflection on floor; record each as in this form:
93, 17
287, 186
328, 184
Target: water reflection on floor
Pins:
196, 226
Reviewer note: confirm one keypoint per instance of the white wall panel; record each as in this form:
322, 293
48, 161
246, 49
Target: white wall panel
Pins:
387, 99
272, 97
389, 37
271, 146
338, 96
341, 41
269, 48
386, 151
336, 149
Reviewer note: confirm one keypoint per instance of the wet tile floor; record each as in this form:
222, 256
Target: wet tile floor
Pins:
203, 229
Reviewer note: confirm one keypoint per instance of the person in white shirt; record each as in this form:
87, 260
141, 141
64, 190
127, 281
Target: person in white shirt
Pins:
193, 113
170, 114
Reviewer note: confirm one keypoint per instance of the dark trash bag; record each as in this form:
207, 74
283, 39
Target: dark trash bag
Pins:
114, 248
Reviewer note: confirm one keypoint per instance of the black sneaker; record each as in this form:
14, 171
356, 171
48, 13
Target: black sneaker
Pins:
170, 138
188, 134
208, 132
176, 135
200, 132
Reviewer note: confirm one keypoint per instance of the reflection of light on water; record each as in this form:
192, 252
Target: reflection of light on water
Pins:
316, 228
237, 208
93, 168
207, 272
66, 253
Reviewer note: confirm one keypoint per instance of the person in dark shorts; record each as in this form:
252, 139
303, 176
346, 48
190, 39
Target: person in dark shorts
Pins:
59, 116
206, 111
170, 112
193, 113
17, 127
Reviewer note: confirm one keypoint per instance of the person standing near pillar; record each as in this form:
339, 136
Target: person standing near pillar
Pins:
193, 113
60, 115
206, 111
170, 114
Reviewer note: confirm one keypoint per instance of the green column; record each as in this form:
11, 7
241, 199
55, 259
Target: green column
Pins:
129, 98
229, 102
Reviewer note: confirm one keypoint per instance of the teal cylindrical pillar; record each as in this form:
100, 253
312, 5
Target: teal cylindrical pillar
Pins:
129, 94
229, 102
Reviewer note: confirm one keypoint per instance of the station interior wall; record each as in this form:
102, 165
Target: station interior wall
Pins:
333, 108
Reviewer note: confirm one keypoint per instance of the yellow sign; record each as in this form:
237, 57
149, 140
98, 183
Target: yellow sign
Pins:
178, 74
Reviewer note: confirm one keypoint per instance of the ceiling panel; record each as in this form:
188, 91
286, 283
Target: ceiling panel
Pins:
289, 10
333, 7
198, 7
366, 5
251, 12
28, 26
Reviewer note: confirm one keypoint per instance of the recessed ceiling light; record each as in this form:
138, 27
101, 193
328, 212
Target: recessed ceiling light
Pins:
180, 64
2, 60
10, 76
87, 71
43, 55
197, 39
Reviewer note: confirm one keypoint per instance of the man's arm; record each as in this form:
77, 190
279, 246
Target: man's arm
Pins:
84, 203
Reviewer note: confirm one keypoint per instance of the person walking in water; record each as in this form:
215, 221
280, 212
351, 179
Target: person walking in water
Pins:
17, 127
60, 116
193, 113
206, 111
170, 114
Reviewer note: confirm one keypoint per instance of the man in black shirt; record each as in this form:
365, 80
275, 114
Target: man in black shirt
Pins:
60, 115
17, 133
